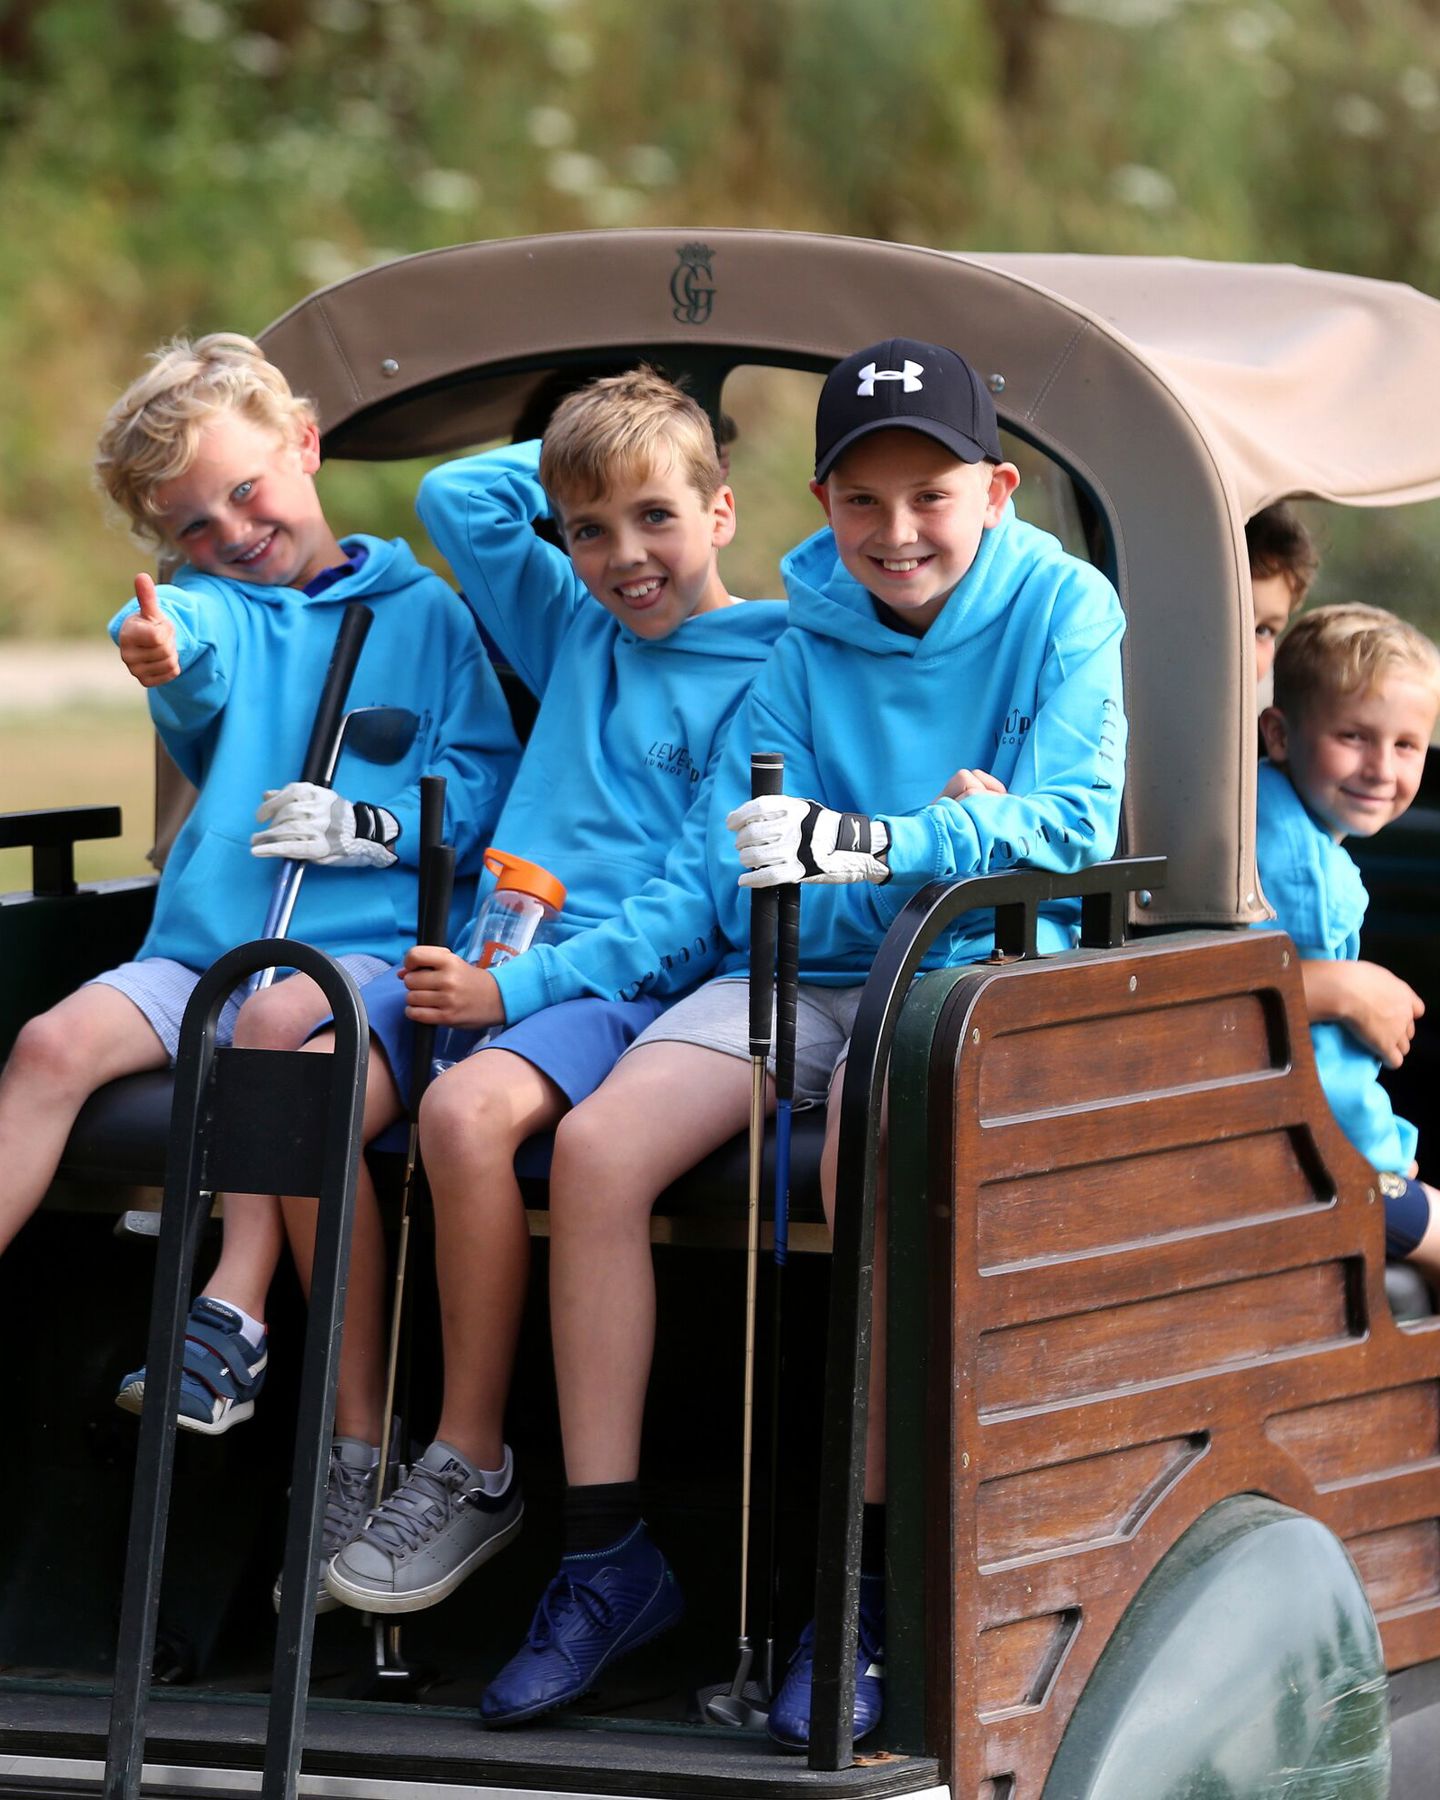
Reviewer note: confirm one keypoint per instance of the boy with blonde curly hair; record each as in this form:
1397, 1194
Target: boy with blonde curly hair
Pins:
1356, 696
212, 459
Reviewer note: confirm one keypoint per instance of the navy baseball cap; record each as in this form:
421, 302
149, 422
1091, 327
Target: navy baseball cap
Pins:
916, 387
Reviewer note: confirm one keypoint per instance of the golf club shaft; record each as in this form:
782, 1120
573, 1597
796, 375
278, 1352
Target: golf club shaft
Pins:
767, 774
437, 876
787, 981
318, 767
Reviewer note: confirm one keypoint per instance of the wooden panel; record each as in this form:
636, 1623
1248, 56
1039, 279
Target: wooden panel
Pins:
1018, 1661
1114, 1056
1093, 1501
1401, 1566
1138, 1198
1163, 1339
1369, 1435
1158, 1281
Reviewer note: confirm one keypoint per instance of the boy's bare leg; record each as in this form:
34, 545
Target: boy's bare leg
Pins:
277, 1018
1426, 1254
875, 1428
662, 1109
472, 1121
93, 1036
360, 1391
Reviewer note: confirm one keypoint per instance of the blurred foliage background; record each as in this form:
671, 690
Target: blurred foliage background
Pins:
185, 165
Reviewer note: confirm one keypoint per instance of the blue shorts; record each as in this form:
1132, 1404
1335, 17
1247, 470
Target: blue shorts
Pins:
1407, 1213
575, 1043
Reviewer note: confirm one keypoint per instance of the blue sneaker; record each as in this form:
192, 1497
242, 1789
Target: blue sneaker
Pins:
599, 1606
222, 1372
789, 1722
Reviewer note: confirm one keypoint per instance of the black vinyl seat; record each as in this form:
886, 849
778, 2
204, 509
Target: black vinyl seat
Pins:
121, 1133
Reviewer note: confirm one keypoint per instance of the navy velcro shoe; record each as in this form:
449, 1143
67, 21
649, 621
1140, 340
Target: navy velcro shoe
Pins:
602, 1604
221, 1374
789, 1722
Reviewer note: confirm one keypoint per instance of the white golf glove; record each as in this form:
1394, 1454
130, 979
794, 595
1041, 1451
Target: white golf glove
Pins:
306, 823
782, 840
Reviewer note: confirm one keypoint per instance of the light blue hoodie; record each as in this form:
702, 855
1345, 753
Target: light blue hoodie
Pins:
1320, 899
237, 720
1019, 674
628, 732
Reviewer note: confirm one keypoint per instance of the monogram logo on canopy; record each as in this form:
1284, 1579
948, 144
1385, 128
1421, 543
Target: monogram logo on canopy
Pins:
692, 286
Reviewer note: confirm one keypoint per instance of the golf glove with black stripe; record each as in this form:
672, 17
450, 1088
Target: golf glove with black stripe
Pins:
306, 823
781, 839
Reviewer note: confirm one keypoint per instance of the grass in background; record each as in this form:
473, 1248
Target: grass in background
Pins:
100, 756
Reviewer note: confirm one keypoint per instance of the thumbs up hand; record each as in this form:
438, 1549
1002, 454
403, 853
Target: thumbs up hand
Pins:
147, 639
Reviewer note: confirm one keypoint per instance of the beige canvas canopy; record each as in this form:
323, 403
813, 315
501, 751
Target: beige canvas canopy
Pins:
1182, 396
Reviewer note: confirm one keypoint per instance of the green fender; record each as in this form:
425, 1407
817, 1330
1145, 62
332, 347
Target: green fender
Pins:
1248, 1667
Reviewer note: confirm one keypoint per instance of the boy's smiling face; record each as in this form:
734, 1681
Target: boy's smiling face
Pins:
646, 548
908, 517
1356, 759
247, 508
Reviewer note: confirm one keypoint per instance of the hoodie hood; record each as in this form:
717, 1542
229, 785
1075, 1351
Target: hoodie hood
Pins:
388, 563
827, 599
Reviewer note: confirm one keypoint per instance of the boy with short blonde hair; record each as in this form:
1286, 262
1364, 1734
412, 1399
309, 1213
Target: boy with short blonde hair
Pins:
639, 658
211, 457
1356, 696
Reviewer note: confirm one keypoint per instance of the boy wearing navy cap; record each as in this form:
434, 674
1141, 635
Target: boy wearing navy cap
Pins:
948, 703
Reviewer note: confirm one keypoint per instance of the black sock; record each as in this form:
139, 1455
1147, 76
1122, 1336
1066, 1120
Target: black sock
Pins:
872, 1538
598, 1516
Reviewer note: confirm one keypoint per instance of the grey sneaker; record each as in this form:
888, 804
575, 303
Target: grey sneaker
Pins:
435, 1529
350, 1493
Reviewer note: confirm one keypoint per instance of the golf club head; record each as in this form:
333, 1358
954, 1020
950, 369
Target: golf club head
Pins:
745, 1704
377, 734
749, 1710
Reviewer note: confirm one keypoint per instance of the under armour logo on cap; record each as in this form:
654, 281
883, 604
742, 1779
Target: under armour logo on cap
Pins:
950, 404
909, 376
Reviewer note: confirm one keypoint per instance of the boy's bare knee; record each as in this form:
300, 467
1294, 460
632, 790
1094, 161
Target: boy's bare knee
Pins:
45, 1049
279, 1017
586, 1148
67, 1052
467, 1121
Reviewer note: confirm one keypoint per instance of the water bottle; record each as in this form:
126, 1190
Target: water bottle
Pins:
524, 898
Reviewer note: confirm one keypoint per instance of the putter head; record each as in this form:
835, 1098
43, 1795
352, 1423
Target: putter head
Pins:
377, 734
745, 1704
749, 1710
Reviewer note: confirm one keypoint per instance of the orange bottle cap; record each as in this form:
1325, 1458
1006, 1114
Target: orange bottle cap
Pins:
523, 877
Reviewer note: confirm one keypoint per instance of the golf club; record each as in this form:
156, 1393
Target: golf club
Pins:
393, 1676
787, 981
737, 1705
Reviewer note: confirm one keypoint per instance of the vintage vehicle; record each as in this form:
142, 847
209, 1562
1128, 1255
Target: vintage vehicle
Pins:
1165, 1458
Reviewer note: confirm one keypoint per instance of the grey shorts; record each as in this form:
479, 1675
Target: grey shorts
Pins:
717, 1017
162, 988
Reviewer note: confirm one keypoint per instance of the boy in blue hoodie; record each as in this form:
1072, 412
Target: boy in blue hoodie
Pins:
1356, 695
948, 702
212, 458
639, 658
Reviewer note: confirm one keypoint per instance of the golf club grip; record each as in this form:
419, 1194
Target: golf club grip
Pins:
787, 981
437, 884
437, 881
767, 776
432, 815
349, 641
